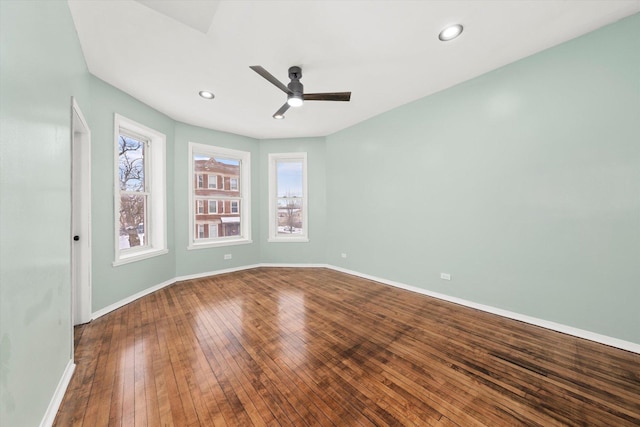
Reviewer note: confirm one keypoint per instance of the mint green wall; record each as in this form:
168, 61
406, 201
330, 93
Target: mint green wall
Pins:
523, 184
41, 68
113, 284
313, 251
198, 261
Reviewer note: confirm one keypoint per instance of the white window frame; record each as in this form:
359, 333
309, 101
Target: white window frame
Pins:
155, 173
200, 230
273, 198
237, 202
215, 180
200, 207
231, 186
215, 203
200, 180
245, 196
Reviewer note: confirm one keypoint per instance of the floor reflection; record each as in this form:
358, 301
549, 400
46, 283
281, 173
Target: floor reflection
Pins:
293, 326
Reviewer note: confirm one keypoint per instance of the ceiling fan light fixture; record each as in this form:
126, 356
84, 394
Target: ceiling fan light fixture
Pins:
295, 100
278, 116
450, 32
206, 94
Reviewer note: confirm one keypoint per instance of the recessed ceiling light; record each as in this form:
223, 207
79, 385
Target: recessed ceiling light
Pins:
450, 32
206, 94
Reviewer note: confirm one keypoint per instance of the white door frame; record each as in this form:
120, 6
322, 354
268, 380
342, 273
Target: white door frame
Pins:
80, 217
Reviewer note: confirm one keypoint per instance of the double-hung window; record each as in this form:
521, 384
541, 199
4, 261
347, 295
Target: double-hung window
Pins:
212, 181
226, 195
140, 207
288, 218
213, 206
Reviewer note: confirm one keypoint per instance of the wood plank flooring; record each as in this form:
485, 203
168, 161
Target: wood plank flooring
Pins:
297, 347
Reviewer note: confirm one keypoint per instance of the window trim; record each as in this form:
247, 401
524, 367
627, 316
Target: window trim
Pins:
273, 237
245, 196
155, 176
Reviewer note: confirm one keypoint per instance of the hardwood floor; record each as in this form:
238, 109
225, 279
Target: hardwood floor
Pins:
296, 347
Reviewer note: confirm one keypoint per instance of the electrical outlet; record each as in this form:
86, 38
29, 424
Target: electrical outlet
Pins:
445, 276
228, 256
343, 255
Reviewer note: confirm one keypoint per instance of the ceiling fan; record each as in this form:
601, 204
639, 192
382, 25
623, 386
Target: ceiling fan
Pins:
295, 90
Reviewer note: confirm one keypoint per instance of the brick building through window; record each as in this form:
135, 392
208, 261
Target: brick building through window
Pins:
217, 198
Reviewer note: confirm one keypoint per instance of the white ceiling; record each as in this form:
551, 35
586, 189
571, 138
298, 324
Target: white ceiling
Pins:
163, 52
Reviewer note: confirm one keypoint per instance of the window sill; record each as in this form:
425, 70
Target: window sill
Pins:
288, 240
195, 246
139, 256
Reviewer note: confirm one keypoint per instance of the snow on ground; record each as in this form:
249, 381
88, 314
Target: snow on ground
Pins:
124, 241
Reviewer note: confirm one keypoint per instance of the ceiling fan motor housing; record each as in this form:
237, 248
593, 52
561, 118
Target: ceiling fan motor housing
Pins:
296, 87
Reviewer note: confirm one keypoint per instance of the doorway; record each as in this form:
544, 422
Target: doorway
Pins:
80, 217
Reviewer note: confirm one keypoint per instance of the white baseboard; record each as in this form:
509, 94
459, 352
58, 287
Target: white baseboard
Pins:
277, 265
56, 400
580, 333
214, 273
558, 327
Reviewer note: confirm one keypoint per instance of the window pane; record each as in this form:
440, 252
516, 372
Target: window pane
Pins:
289, 216
289, 178
132, 220
222, 181
131, 164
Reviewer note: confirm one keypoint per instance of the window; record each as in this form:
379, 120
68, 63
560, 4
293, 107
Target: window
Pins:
200, 178
213, 230
227, 220
200, 206
288, 197
212, 181
140, 207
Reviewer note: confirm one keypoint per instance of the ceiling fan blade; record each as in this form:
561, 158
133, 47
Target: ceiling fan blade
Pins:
329, 96
281, 111
267, 75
